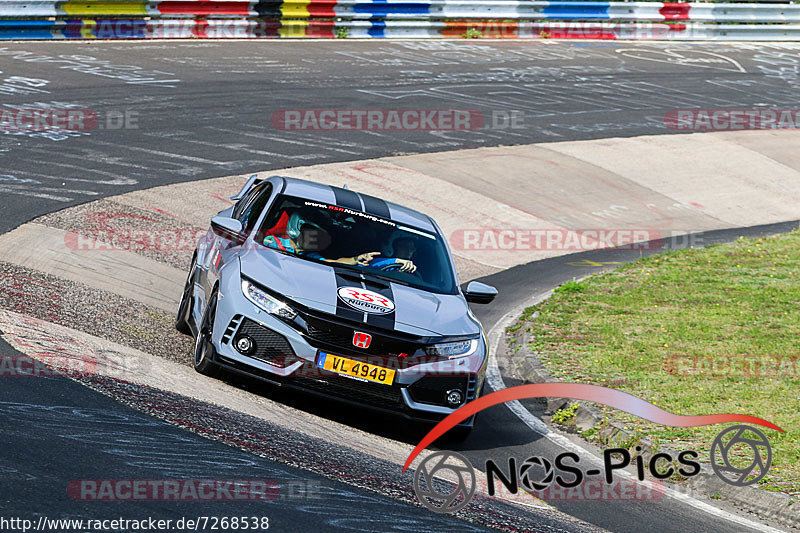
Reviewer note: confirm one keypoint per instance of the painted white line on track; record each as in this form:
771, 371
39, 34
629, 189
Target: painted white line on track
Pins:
170, 154
495, 380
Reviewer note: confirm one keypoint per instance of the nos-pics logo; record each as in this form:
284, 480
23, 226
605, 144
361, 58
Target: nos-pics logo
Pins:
442, 496
445, 481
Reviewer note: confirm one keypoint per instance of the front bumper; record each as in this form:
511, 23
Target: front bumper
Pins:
286, 355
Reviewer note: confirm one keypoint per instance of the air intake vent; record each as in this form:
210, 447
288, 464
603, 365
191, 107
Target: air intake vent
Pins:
231, 329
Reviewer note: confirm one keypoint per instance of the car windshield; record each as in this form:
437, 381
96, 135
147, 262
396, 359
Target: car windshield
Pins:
344, 237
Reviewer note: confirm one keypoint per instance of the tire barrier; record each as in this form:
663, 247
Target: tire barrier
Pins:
254, 19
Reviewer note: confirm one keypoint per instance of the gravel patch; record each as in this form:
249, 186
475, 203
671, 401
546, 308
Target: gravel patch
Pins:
106, 224
93, 311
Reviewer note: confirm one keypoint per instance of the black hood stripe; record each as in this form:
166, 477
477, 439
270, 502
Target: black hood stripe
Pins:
385, 321
342, 309
361, 202
375, 206
345, 198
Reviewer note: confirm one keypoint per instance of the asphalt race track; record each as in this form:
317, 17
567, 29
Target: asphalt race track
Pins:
56, 430
203, 109
173, 112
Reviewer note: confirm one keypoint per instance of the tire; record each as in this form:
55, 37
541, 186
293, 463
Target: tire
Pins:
203, 347
183, 318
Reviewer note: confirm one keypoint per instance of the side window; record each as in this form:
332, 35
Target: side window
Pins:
255, 206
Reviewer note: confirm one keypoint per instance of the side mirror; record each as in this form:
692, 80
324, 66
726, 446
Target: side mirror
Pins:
227, 228
479, 293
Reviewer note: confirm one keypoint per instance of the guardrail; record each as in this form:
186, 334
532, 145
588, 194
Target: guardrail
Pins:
238, 19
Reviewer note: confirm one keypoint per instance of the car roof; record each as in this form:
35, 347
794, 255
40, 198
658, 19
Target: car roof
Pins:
342, 197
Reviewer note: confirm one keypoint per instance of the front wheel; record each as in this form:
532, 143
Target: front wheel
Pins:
203, 346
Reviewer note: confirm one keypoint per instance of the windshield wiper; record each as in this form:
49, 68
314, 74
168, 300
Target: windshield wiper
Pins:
367, 273
387, 278
284, 252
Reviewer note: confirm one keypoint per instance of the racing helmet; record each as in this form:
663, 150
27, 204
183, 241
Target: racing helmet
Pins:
388, 249
296, 222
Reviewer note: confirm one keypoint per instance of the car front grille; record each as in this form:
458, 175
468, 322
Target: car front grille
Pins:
338, 337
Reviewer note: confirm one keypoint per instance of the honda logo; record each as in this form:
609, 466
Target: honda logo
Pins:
361, 340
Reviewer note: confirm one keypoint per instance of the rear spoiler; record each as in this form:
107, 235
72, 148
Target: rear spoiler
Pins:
252, 180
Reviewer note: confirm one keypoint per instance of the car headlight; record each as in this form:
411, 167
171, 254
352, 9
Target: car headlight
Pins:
266, 302
452, 350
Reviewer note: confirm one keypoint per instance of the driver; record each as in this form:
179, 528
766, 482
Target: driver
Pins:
403, 249
303, 237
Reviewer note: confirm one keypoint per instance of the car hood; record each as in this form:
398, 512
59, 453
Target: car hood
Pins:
314, 285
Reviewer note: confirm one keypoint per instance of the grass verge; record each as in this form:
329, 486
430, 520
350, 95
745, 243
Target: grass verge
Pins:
704, 331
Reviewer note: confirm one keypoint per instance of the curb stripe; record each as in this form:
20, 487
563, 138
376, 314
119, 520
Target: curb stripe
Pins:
117, 8
576, 10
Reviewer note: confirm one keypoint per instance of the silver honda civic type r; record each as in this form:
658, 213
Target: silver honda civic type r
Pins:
337, 293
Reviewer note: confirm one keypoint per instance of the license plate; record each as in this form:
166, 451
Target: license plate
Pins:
357, 369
